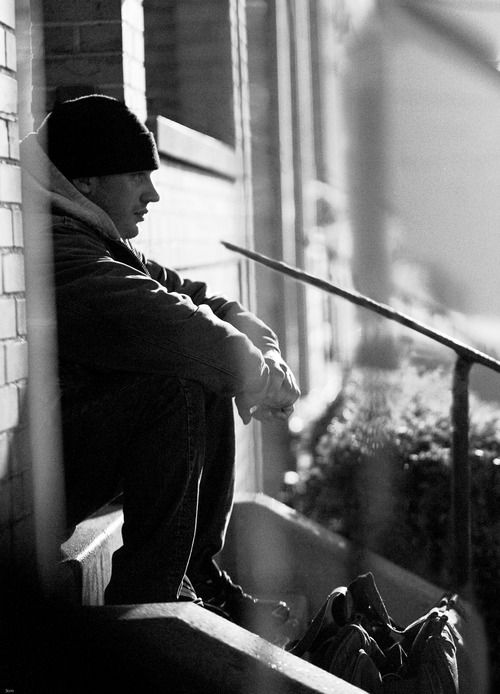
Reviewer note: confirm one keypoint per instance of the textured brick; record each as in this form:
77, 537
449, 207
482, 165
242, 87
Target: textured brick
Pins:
133, 43
133, 14
13, 136
3, 374
22, 399
7, 317
8, 13
8, 94
137, 48
13, 273
87, 68
134, 98
10, 183
9, 407
60, 39
16, 357
21, 317
193, 12
4, 456
10, 51
100, 37
6, 227
160, 24
3, 52
4, 138
134, 74
17, 220
77, 11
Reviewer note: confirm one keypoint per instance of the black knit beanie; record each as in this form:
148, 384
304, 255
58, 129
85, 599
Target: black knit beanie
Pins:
97, 135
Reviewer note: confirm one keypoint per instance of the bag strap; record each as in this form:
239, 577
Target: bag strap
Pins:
333, 614
360, 601
368, 600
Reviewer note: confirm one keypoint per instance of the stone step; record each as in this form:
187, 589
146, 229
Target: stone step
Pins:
272, 551
184, 649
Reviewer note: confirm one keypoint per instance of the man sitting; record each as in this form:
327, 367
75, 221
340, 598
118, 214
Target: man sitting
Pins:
149, 365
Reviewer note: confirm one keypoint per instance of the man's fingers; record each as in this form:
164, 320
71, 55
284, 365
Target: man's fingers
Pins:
276, 378
264, 413
276, 400
243, 405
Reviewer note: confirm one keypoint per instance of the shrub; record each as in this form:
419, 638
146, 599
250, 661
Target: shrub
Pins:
379, 472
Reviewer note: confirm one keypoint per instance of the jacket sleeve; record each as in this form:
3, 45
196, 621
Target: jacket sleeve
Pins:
230, 311
113, 316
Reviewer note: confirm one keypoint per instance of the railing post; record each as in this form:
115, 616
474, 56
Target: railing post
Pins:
461, 486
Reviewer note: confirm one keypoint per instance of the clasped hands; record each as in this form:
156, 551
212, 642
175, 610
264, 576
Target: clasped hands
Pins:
277, 399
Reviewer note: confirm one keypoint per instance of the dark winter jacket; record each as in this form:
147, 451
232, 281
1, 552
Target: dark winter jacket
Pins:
118, 311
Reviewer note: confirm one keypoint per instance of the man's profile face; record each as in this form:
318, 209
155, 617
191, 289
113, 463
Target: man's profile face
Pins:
125, 198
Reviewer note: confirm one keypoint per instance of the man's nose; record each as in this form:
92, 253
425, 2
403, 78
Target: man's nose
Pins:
150, 194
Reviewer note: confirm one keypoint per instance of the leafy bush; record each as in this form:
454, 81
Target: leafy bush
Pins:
379, 472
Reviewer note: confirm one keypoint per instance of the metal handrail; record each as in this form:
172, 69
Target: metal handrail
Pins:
466, 357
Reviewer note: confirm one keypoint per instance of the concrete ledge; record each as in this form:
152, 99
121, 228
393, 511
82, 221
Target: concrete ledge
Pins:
181, 647
269, 544
272, 547
272, 550
85, 568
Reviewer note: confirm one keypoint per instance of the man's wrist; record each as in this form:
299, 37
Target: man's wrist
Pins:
273, 355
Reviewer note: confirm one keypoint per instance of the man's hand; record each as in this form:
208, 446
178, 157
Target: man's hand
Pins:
246, 406
282, 391
248, 401
276, 401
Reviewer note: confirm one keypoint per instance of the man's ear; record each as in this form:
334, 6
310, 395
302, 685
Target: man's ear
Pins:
85, 184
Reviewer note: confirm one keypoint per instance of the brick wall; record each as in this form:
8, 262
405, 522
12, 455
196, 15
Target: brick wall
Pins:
91, 46
14, 474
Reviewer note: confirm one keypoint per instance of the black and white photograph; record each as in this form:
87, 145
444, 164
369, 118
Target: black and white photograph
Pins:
249, 346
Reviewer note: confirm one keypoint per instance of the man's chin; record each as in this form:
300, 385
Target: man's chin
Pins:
129, 232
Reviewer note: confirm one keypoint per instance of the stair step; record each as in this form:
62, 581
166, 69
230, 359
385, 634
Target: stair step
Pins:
182, 648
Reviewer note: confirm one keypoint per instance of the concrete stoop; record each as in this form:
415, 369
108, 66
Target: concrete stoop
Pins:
271, 547
175, 647
181, 647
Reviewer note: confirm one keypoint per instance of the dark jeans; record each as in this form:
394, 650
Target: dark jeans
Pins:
170, 446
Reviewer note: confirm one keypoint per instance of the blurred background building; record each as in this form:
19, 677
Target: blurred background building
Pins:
356, 140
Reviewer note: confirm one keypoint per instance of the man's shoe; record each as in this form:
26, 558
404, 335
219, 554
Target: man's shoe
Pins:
251, 613
187, 592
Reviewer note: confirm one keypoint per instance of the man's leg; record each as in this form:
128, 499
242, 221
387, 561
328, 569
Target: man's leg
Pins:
216, 488
156, 435
212, 584
147, 432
